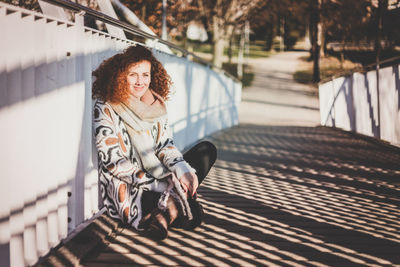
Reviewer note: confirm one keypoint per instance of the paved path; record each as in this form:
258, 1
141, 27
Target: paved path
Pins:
282, 192
274, 98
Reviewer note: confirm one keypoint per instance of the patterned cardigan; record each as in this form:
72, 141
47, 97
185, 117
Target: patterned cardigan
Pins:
122, 180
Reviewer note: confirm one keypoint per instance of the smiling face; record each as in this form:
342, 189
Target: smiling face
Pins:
139, 78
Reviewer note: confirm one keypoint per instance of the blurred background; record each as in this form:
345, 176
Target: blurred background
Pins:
342, 36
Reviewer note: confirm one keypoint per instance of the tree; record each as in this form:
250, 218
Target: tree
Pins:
285, 17
149, 11
346, 20
314, 30
179, 14
264, 22
28, 4
221, 17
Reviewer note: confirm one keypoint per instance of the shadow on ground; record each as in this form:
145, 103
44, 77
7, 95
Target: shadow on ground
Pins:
283, 196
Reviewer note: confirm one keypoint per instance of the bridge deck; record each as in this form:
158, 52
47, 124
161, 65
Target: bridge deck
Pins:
285, 196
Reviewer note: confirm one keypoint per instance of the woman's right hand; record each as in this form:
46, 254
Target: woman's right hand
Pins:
189, 182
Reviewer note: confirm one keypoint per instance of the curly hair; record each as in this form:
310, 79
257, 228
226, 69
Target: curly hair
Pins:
111, 76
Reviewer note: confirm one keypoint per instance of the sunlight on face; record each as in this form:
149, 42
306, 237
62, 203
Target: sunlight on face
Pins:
139, 78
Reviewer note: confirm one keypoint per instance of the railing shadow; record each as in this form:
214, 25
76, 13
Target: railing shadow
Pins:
371, 111
283, 196
279, 104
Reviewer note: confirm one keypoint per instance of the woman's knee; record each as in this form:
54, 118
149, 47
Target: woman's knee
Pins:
208, 147
211, 149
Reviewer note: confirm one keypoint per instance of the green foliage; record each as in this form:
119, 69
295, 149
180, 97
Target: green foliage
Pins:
179, 14
248, 76
347, 20
287, 18
329, 66
247, 79
303, 76
256, 49
203, 48
365, 58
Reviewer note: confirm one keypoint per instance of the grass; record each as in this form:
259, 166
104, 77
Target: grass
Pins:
366, 57
256, 50
303, 76
329, 66
248, 76
247, 79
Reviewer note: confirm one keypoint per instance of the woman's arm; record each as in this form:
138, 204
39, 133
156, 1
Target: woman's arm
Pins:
172, 158
112, 149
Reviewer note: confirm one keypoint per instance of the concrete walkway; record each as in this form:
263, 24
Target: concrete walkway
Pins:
282, 192
274, 98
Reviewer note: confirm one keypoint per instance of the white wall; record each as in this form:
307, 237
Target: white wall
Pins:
351, 103
47, 160
203, 101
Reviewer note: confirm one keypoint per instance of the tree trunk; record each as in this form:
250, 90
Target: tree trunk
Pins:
282, 34
342, 55
321, 32
221, 34
240, 56
307, 36
143, 13
247, 41
382, 7
311, 34
270, 37
218, 52
315, 46
230, 49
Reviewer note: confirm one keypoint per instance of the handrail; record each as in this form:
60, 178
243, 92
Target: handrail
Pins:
131, 29
381, 62
362, 69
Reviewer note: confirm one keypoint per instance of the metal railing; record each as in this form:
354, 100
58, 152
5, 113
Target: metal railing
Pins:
134, 30
52, 82
362, 69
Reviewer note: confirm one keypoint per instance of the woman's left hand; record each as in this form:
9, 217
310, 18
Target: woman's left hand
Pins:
189, 182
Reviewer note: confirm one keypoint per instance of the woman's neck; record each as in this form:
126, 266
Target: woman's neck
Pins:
148, 98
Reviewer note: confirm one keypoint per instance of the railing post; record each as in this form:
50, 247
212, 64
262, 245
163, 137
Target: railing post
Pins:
80, 19
378, 98
164, 20
382, 5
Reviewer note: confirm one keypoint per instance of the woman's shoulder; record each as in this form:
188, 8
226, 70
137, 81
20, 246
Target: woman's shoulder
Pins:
103, 108
101, 103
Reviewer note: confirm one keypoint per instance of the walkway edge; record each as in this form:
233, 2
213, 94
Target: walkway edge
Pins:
73, 249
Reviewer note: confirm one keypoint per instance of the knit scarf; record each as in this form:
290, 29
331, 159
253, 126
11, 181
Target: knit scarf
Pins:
140, 118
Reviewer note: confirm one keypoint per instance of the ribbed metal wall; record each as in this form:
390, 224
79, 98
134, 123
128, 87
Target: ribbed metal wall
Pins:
351, 103
48, 182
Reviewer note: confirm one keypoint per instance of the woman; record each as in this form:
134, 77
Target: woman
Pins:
145, 181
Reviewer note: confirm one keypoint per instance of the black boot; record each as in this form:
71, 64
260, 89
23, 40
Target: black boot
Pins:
197, 212
161, 220
158, 226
